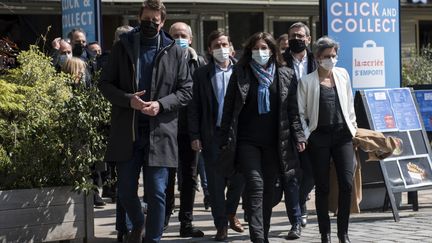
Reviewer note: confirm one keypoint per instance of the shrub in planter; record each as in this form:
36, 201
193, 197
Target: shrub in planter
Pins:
50, 130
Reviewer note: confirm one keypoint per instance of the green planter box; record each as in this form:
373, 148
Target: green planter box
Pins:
47, 214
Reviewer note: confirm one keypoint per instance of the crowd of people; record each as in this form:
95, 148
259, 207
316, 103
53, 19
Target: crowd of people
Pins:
283, 108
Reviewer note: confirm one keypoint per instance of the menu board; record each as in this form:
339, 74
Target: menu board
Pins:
392, 110
382, 115
404, 109
424, 100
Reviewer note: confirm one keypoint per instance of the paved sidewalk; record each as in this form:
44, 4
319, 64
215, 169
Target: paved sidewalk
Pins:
368, 226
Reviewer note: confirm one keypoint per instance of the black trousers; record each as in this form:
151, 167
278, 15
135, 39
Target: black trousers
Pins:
188, 163
169, 195
259, 165
307, 180
335, 144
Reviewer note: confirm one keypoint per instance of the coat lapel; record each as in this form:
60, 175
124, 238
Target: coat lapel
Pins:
211, 97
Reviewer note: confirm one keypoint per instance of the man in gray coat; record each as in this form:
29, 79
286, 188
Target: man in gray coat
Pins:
147, 80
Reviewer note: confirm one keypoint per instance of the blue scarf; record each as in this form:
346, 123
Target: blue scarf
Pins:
265, 79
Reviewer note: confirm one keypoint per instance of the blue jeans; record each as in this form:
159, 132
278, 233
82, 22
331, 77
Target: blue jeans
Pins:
290, 185
155, 183
221, 207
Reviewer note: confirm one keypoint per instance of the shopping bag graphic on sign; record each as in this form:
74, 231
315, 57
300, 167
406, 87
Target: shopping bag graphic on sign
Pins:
368, 66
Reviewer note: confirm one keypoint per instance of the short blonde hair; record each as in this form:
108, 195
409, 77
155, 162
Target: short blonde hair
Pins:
76, 68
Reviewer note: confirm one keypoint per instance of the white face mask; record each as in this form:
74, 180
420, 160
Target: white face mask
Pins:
328, 63
261, 56
221, 54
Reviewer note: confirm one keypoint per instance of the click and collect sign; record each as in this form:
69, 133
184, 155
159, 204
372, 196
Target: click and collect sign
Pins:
82, 14
368, 32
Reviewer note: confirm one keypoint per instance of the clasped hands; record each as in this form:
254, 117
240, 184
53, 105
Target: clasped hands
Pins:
150, 108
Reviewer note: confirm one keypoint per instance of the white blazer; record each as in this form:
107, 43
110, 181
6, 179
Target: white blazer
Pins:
308, 96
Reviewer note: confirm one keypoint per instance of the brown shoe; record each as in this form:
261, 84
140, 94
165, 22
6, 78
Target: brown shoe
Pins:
235, 224
222, 234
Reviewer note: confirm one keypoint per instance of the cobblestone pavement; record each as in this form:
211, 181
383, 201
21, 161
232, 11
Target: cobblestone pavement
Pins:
370, 226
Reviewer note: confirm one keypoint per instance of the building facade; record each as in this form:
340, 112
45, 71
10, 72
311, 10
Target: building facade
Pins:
26, 21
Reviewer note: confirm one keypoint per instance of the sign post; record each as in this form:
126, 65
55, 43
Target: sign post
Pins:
84, 14
369, 34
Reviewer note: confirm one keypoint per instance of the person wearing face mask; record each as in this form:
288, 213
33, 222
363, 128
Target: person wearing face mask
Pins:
205, 114
146, 93
327, 113
78, 41
261, 124
62, 51
188, 158
301, 59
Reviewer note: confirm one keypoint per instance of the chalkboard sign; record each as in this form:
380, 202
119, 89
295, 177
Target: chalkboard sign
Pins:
395, 113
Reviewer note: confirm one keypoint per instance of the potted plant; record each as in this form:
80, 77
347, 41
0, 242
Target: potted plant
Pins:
51, 132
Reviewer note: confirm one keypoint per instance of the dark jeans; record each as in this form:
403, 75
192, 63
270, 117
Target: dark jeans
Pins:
221, 207
155, 183
290, 185
188, 161
259, 165
336, 144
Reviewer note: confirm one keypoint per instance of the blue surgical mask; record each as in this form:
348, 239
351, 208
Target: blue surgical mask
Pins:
261, 56
183, 43
63, 58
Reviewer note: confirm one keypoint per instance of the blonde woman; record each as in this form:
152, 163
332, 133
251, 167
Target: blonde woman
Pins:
77, 69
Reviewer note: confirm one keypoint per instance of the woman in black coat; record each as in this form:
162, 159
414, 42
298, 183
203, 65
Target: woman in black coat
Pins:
261, 124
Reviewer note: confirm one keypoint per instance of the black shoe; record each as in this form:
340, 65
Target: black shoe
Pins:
188, 230
295, 232
206, 202
97, 200
344, 239
325, 238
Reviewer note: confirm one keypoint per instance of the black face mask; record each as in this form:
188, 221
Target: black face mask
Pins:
149, 29
77, 50
297, 45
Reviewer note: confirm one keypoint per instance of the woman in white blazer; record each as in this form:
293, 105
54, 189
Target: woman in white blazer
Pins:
326, 110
